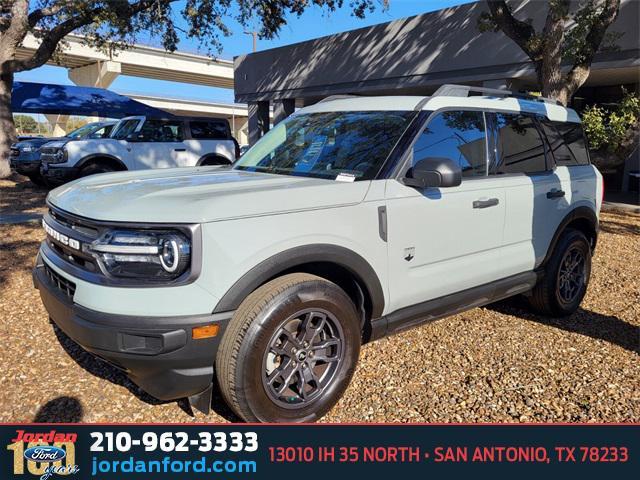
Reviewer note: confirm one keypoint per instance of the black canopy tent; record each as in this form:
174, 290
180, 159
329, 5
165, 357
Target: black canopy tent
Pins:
28, 97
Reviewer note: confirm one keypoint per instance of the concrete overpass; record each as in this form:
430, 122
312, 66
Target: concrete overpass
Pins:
91, 67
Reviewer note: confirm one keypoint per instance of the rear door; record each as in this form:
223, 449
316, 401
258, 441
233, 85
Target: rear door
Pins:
209, 137
445, 240
537, 196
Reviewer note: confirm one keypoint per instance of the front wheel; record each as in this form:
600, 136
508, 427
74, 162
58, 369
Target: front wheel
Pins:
290, 350
95, 168
566, 276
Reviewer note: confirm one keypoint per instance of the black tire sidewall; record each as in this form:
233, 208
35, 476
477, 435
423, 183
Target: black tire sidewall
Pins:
94, 169
309, 294
572, 239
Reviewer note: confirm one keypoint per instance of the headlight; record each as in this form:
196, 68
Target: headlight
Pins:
28, 148
145, 254
59, 156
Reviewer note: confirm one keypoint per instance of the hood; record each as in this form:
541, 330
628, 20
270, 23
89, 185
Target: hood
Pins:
199, 195
58, 143
34, 142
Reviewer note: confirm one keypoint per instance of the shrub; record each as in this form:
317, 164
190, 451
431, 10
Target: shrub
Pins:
612, 129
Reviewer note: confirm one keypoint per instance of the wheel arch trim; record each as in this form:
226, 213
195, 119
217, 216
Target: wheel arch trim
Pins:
578, 213
297, 257
207, 156
95, 156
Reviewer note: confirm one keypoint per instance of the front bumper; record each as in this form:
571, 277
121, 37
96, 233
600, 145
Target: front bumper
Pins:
57, 174
157, 353
25, 163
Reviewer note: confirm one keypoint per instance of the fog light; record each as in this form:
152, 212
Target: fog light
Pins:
205, 331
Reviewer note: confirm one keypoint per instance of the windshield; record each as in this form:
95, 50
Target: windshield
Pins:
343, 145
83, 131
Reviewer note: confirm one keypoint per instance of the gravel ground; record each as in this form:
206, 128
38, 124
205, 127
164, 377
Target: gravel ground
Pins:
494, 364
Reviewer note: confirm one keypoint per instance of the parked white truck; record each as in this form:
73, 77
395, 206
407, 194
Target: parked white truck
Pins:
139, 143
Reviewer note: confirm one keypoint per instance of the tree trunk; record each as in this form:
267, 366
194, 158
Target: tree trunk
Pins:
7, 128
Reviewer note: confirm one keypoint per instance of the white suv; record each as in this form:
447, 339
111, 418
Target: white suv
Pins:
138, 143
353, 219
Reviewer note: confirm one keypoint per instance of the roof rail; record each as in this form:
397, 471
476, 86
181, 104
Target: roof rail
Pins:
451, 90
337, 97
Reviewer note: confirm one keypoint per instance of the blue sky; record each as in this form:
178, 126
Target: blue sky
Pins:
314, 23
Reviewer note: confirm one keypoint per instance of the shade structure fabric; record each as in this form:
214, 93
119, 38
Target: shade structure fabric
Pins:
29, 97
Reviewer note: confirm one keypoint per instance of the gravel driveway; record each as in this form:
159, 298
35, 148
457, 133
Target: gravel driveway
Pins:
494, 364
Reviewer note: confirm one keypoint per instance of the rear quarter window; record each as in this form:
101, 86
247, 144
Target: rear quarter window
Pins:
575, 142
208, 130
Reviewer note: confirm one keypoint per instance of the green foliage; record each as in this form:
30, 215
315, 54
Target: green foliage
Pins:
611, 129
585, 17
25, 123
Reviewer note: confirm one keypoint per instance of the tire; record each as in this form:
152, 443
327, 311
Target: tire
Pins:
36, 179
214, 161
550, 296
94, 168
250, 372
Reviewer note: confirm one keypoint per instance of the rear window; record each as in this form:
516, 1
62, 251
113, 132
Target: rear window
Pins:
519, 146
574, 139
202, 130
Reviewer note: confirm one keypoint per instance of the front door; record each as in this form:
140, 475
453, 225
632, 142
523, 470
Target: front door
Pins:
445, 240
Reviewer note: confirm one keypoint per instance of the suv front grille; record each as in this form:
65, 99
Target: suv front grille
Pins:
86, 233
65, 286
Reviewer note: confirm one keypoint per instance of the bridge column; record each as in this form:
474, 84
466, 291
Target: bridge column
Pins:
58, 124
258, 120
98, 74
282, 109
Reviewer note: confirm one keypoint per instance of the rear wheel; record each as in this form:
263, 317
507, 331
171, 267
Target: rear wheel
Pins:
289, 351
566, 276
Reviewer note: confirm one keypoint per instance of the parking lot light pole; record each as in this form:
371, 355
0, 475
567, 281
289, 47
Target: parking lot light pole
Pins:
254, 34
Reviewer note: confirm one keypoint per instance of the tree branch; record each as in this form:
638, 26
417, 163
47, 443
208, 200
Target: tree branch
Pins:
51, 40
580, 70
18, 24
520, 32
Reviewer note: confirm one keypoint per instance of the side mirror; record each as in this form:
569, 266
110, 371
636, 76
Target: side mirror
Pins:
434, 172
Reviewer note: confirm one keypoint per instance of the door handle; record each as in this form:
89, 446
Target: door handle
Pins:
555, 193
179, 149
491, 202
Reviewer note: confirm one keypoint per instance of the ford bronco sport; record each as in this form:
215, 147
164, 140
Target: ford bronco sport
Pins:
353, 219
138, 143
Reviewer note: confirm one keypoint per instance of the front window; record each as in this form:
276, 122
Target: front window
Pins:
458, 135
82, 132
349, 145
125, 128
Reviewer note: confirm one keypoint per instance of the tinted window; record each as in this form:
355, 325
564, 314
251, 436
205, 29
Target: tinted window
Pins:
573, 136
561, 153
209, 130
346, 146
519, 146
102, 132
125, 128
161, 131
459, 136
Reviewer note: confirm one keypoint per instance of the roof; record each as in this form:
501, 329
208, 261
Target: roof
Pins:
404, 103
28, 97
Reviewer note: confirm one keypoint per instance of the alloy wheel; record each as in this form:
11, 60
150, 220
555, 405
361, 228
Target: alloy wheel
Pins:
302, 358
